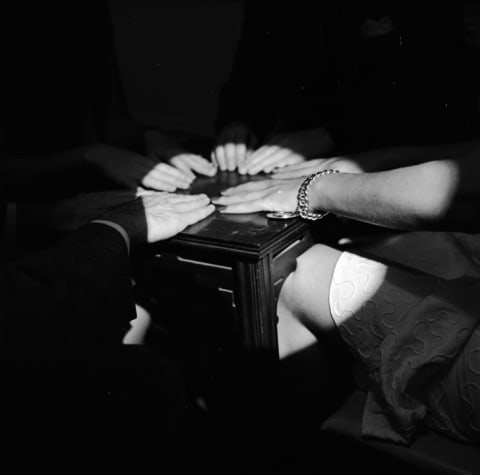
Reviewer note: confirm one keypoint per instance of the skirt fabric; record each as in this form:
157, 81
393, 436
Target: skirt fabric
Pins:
409, 310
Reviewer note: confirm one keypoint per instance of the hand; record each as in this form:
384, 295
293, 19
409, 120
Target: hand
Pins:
288, 149
280, 151
308, 167
154, 217
161, 147
188, 163
265, 195
233, 145
130, 169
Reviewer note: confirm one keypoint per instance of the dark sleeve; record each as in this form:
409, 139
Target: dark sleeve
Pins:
77, 294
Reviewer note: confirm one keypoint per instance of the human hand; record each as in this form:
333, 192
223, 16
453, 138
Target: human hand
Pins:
303, 169
189, 163
265, 195
161, 147
155, 217
285, 149
130, 169
234, 144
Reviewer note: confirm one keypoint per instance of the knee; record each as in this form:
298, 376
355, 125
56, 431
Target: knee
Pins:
305, 291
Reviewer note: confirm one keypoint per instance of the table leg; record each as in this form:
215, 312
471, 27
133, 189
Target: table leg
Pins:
256, 305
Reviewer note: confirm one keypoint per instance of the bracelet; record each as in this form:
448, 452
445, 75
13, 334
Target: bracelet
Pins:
302, 197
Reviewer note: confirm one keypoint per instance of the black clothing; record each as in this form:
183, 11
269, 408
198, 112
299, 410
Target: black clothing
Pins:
373, 73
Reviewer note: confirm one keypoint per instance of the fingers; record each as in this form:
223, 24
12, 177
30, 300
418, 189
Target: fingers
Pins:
140, 191
218, 157
181, 205
250, 186
255, 158
233, 147
156, 198
280, 160
188, 162
240, 197
195, 215
166, 178
173, 172
298, 170
182, 163
158, 182
177, 198
231, 156
265, 156
251, 206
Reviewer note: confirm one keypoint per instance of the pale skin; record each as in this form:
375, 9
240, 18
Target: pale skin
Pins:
379, 159
234, 144
413, 197
162, 214
130, 169
153, 217
285, 149
122, 167
161, 147
405, 198
237, 149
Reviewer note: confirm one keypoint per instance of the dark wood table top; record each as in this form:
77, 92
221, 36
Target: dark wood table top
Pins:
246, 233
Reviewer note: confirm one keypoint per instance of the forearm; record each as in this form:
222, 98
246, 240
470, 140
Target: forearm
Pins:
393, 157
416, 197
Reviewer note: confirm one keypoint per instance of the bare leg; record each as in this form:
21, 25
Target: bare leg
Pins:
138, 327
303, 304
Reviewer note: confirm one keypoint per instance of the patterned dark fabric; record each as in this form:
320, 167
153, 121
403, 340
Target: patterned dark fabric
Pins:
416, 341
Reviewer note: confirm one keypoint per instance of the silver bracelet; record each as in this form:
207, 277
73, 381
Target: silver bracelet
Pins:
303, 206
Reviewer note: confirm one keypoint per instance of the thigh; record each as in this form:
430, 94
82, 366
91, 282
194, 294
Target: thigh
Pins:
306, 290
303, 308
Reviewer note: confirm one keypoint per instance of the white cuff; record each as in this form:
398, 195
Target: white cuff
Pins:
118, 228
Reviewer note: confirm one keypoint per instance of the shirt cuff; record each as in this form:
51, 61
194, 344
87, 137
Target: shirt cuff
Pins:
118, 228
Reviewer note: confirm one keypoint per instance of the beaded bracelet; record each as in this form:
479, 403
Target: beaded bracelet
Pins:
302, 197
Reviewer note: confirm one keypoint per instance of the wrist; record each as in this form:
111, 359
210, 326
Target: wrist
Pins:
131, 217
303, 199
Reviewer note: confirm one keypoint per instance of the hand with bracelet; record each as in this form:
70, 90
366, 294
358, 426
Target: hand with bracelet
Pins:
425, 196
287, 197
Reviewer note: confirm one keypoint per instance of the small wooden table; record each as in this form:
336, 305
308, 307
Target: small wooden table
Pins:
245, 258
